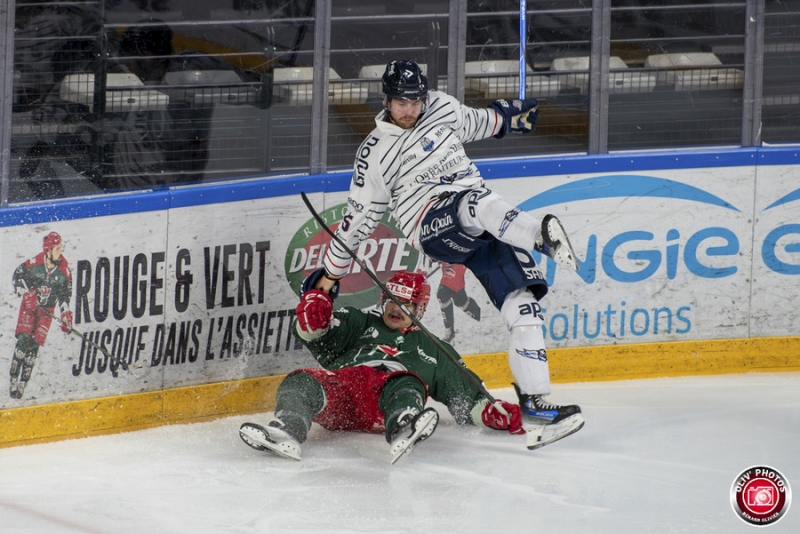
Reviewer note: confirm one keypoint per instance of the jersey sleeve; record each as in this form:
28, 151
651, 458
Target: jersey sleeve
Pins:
366, 203
20, 277
474, 124
63, 289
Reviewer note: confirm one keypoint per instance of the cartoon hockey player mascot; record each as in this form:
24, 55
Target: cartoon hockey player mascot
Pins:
451, 293
44, 282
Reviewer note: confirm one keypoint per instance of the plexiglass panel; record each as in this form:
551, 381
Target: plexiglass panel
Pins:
553, 30
149, 93
676, 74
112, 95
780, 112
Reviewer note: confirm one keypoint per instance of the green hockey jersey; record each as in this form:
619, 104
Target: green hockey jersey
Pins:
362, 338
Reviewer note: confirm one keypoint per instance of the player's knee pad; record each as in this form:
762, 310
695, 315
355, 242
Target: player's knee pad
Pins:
444, 293
521, 309
460, 298
405, 388
16, 363
26, 343
475, 205
301, 389
401, 392
442, 236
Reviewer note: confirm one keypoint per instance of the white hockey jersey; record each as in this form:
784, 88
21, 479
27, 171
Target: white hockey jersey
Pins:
403, 170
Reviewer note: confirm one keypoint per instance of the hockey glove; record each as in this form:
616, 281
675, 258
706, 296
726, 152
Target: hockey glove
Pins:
314, 314
501, 415
311, 280
519, 116
66, 321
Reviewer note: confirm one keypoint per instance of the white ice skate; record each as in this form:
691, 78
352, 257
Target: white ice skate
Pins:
553, 242
539, 435
412, 428
270, 438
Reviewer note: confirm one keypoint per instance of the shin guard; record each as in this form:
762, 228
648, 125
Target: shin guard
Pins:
527, 355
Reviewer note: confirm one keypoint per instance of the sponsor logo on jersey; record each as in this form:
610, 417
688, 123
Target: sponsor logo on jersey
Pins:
428, 358
358, 208
434, 173
427, 144
362, 165
533, 274
437, 225
455, 246
389, 350
370, 333
507, 220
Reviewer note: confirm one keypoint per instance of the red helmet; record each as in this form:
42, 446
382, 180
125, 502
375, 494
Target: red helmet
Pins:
409, 287
51, 241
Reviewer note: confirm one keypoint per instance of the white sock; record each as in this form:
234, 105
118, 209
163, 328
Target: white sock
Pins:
527, 359
527, 356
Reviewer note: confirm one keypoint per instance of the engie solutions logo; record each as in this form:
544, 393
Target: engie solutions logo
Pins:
386, 250
761, 496
675, 236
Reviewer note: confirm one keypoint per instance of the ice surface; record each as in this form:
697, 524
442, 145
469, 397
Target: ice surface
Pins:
655, 456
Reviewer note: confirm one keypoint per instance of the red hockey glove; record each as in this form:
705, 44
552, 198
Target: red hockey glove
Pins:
66, 321
314, 314
503, 415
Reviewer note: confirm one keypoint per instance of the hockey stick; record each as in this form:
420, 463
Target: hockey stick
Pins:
436, 341
118, 361
523, 14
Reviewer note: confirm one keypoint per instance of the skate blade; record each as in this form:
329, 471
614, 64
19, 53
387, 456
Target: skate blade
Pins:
257, 437
423, 428
559, 243
540, 435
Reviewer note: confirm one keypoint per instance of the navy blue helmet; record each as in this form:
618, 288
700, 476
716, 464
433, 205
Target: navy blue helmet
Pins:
404, 80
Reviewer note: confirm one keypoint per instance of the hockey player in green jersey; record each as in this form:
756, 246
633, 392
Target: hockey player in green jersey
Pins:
44, 281
377, 371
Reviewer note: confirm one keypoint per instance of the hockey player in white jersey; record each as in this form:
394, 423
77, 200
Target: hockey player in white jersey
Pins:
414, 163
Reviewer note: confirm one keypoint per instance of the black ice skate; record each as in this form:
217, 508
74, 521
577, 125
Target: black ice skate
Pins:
272, 438
14, 392
448, 335
545, 423
553, 242
411, 428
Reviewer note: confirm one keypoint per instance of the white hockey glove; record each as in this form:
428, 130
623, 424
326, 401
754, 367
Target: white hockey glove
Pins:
519, 116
